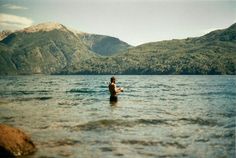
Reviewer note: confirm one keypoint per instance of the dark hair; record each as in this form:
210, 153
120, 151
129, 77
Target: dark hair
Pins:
113, 78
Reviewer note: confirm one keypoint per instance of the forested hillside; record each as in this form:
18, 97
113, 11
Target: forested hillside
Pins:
54, 49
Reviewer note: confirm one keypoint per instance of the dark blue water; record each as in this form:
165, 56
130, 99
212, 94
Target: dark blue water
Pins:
156, 116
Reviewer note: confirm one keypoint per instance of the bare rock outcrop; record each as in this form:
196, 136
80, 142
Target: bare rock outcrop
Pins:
14, 142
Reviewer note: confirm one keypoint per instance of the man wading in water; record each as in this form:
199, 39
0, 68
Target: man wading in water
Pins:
114, 90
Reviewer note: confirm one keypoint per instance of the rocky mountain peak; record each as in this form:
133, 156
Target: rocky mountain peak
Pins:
45, 27
4, 34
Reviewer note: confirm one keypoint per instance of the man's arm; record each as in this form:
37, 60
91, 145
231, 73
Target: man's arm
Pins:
118, 90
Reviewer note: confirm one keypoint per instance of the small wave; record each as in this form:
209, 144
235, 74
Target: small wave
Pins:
226, 134
15, 93
147, 154
107, 149
140, 142
103, 86
47, 82
43, 91
230, 134
43, 98
39, 98
19, 93
7, 117
215, 93
32, 98
200, 121
165, 86
68, 103
112, 124
2, 101
177, 98
182, 84
60, 143
101, 124
179, 94
152, 121
118, 154
179, 136
202, 140
227, 114
43, 127
233, 125
81, 91
166, 90
153, 143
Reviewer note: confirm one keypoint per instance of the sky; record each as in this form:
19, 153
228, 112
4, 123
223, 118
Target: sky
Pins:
133, 21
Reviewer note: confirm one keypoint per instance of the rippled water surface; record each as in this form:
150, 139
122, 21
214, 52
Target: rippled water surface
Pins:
156, 116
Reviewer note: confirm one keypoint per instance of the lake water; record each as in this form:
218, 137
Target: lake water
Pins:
156, 116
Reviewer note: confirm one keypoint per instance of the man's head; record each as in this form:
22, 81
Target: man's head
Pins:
113, 79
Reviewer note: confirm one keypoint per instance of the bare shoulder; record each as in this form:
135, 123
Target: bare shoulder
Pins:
112, 85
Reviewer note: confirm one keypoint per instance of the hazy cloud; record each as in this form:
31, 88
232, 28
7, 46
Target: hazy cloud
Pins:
13, 22
14, 7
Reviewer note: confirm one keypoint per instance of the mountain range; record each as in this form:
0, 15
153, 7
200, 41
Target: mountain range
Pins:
52, 48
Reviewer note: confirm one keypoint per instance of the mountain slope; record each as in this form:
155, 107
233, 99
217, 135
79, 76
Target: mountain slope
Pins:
4, 34
51, 48
103, 45
214, 53
36, 50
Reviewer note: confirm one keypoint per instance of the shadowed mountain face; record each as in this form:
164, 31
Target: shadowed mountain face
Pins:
51, 48
104, 45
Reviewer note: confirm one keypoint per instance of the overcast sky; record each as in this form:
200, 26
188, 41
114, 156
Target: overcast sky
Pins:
133, 21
